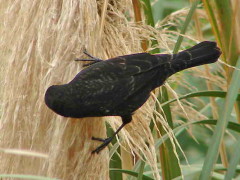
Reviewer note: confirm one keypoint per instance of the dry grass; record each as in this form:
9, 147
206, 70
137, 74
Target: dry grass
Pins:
39, 41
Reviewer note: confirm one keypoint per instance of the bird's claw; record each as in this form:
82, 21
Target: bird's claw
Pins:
98, 139
103, 145
93, 61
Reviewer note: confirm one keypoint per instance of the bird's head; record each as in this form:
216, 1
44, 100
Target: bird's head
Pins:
54, 99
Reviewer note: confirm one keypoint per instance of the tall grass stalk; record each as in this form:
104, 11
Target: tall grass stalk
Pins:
212, 154
227, 36
214, 107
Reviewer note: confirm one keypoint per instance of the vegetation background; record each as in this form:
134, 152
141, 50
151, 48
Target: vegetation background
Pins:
189, 128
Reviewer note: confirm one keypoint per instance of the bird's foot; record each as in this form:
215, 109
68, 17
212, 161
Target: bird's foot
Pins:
103, 145
98, 139
94, 59
89, 64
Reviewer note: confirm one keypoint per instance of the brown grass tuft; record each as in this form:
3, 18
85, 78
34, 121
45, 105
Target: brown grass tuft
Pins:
40, 40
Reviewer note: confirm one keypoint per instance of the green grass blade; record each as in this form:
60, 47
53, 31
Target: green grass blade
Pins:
115, 159
235, 159
150, 20
148, 12
132, 173
178, 130
185, 25
211, 13
23, 176
169, 161
114, 149
225, 13
141, 170
221, 94
213, 150
231, 125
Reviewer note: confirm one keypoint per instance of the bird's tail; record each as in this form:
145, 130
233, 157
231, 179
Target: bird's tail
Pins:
205, 52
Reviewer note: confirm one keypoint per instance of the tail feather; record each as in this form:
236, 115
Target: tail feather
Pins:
205, 52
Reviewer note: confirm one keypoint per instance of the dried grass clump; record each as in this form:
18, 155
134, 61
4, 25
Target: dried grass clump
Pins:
39, 41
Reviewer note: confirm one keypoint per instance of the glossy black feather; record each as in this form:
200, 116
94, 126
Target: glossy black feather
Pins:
121, 85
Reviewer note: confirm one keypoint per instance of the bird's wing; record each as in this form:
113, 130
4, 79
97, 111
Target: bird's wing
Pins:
122, 66
115, 80
134, 64
105, 92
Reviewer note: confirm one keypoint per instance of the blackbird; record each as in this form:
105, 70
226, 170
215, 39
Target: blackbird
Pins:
120, 85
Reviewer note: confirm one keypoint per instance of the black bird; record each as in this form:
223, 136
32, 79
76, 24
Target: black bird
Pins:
121, 85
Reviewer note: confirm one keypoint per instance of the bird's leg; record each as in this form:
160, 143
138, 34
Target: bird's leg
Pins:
94, 59
103, 145
89, 55
126, 120
107, 140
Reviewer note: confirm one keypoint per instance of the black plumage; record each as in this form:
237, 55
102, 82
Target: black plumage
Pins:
121, 85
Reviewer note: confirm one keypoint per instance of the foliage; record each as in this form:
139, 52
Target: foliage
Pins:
196, 146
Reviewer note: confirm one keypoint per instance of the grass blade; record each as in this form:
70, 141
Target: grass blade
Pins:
23, 176
178, 130
113, 154
220, 94
213, 150
132, 173
169, 161
150, 20
141, 170
233, 162
148, 12
184, 28
225, 16
231, 125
